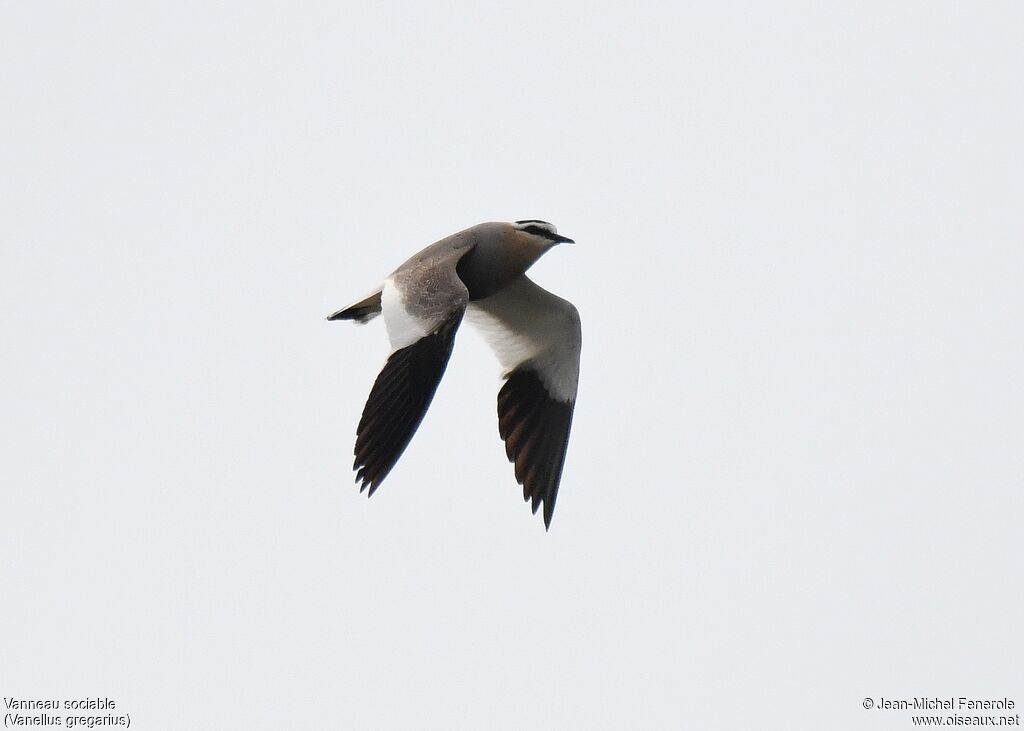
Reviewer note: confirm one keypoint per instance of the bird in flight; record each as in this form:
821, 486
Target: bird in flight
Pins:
479, 272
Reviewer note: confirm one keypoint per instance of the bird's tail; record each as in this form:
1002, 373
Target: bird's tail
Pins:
362, 311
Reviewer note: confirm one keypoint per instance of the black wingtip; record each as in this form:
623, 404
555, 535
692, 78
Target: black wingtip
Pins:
363, 484
535, 428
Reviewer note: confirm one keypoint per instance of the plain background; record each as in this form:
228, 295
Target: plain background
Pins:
795, 478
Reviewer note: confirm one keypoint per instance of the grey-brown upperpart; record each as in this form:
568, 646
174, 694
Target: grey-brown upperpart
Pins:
489, 257
485, 258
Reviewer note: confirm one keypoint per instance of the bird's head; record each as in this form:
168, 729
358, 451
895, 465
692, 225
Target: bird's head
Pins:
539, 235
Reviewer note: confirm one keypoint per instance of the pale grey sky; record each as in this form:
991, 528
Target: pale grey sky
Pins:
796, 472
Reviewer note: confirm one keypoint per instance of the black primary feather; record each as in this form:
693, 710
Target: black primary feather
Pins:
398, 401
535, 428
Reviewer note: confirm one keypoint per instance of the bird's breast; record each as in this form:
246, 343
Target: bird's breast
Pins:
489, 268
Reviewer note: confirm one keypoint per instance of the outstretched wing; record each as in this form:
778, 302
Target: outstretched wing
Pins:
398, 402
423, 303
536, 336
